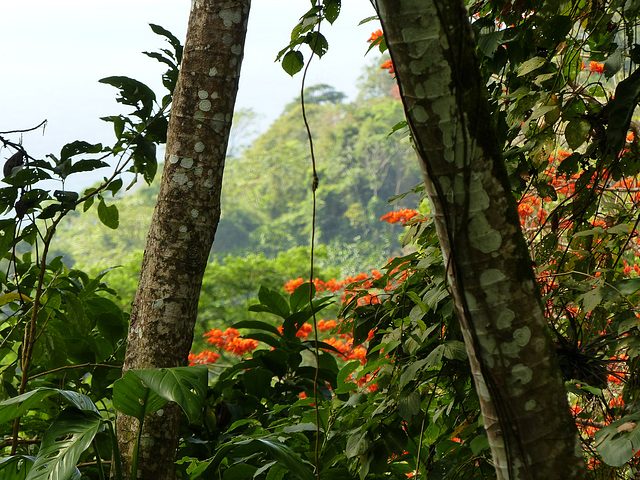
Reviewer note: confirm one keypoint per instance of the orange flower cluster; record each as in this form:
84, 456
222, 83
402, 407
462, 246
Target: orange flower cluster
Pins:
331, 285
231, 341
203, 358
388, 65
346, 349
403, 215
375, 36
595, 67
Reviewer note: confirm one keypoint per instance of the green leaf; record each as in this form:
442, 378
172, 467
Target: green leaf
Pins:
76, 148
357, 444
65, 440
133, 93
257, 381
616, 443
292, 62
273, 302
488, 43
621, 110
108, 215
17, 406
531, 65
301, 295
409, 405
317, 42
332, 10
133, 398
613, 64
16, 467
187, 386
257, 324
591, 299
576, 132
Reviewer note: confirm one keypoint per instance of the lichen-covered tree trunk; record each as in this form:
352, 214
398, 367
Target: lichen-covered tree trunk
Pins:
523, 399
185, 218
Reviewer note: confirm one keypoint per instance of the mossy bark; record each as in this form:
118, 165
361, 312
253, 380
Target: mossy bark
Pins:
523, 399
185, 219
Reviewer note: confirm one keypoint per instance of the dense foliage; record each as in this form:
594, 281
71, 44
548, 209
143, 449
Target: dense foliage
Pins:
385, 390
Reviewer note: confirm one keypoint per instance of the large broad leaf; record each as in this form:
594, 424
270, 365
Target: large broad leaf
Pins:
18, 406
133, 398
187, 386
617, 443
16, 467
278, 451
62, 444
621, 109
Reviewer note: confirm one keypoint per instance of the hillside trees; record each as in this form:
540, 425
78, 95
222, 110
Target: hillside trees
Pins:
185, 219
523, 400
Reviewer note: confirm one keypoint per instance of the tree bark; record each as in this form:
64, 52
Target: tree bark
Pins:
522, 395
185, 219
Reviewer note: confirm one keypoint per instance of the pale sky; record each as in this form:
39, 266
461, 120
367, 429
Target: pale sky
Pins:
54, 53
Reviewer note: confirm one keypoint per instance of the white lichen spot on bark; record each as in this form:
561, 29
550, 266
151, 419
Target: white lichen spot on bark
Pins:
198, 171
157, 304
490, 277
236, 49
227, 39
481, 236
419, 113
213, 71
199, 116
214, 95
522, 336
180, 178
504, 319
230, 16
530, 405
202, 94
186, 162
174, 159
194, 213
160, 412
182, 228
204, 105
522, 373
488, 359
199, 147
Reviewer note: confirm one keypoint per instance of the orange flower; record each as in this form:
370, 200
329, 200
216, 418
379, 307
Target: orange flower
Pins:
375, 35
388, 65
291, 285
596, 67
203, 358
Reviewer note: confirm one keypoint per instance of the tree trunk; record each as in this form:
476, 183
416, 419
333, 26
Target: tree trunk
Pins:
185, 218
523, 399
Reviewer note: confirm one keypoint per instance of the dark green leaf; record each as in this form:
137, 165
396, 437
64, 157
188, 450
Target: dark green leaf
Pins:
16, 467
133, 93
621, 109
332, 10
317, 42
273, 302
577, 132
133, 398
108, 215
187, 386
76, 148
301, 296
292, 62
65, 440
